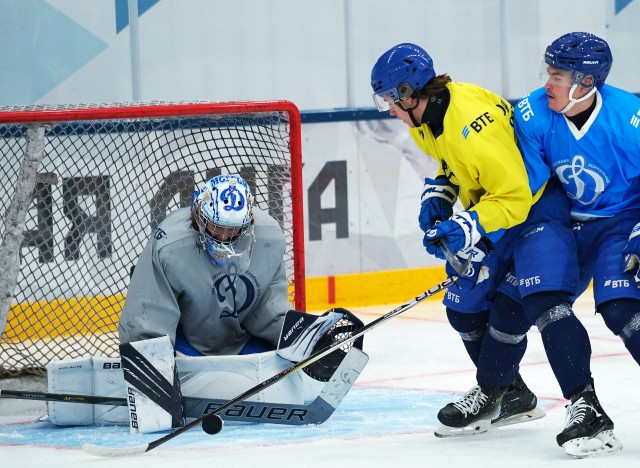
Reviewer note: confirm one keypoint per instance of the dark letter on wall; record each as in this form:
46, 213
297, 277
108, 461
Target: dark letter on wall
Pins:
177, 182
42, 237
336, 172
82, 223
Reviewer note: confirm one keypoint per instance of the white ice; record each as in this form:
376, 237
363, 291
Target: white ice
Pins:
417, 364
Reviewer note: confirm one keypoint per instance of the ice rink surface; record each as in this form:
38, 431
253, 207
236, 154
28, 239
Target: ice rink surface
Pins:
417, 364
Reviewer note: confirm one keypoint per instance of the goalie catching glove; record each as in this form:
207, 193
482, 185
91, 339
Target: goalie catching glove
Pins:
303, 334
631, 253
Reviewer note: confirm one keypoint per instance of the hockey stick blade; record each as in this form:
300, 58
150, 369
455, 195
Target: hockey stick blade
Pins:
124, 451
457, 265
315, 412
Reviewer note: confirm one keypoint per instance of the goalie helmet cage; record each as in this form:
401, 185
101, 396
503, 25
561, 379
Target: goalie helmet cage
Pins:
83, 187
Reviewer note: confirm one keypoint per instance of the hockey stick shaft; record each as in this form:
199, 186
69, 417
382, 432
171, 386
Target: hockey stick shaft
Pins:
109, 452
64, 397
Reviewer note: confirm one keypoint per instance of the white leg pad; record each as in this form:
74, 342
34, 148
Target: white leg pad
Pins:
219, 377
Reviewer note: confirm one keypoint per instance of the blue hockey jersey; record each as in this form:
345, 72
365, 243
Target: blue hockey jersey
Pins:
598, 165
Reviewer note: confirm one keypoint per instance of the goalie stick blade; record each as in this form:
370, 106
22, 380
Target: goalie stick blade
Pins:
316, 412
100, 451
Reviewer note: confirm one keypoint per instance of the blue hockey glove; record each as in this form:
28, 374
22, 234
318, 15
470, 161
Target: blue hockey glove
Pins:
461, 232
631, 252
476, 273
437, 200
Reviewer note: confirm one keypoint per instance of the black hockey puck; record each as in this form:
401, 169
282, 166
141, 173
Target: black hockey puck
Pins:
212, 424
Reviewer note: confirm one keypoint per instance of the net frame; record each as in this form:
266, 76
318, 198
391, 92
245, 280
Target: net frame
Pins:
79, 118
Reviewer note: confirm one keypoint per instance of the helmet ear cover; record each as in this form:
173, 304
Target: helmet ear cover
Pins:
405, 91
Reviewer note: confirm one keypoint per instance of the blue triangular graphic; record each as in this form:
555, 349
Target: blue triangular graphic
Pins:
43, 48
122, 11
621, 4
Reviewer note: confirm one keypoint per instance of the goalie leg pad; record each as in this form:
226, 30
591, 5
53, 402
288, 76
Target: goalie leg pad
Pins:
70, 376
153, 388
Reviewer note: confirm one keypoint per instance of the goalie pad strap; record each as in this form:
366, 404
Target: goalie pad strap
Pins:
144, 377
153, 388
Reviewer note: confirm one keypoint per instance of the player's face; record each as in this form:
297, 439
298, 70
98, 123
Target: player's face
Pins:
223, 234
558, 85
401, 114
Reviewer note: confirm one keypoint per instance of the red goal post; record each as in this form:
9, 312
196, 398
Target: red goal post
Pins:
83, 187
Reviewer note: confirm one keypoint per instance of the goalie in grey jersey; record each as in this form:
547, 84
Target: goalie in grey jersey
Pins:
211, 285
211, 277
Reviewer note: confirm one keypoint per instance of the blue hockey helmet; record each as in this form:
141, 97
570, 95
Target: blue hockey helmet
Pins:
583, 54
399, 72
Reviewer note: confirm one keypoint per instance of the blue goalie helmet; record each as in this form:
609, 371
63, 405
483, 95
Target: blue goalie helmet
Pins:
584, 55
399, 72
223, 210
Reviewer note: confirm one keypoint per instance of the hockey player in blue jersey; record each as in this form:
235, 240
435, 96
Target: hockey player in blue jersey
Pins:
440, 122
587, 133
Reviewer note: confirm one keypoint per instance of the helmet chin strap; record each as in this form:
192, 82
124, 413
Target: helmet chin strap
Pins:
410, 112
573, 102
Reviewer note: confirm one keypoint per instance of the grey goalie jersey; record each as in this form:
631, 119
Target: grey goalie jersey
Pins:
175, 284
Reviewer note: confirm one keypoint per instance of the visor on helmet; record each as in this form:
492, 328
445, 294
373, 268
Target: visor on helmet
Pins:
386, 100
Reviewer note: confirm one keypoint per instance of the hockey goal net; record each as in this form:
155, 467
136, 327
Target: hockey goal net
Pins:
83, 187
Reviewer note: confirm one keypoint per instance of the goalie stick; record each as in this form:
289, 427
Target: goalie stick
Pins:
103, 451
316, 412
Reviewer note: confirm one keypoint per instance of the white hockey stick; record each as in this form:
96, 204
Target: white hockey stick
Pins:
102, 451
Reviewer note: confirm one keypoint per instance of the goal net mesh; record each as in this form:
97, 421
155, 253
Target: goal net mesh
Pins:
108, 177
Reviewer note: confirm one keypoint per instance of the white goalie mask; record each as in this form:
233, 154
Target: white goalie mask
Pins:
223, 210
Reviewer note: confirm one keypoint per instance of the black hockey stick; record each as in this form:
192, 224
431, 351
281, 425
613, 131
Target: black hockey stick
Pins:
102, 451
315, 412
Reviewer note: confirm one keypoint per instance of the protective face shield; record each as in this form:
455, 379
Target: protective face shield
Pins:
390, 97
399, 72
223, 211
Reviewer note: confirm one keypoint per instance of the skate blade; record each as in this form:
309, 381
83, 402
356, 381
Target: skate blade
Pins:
535, 413
478, 427
604, 443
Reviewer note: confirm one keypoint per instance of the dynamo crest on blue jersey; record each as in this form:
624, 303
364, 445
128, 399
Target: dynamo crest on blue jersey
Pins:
596, 164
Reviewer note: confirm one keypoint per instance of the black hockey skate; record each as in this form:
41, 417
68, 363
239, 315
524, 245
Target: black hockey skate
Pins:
519, 405
470, 415
588, 431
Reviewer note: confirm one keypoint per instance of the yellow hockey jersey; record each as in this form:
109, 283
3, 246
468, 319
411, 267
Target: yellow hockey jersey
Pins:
477, 151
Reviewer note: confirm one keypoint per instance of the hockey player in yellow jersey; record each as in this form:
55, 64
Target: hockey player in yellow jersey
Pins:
499, 244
